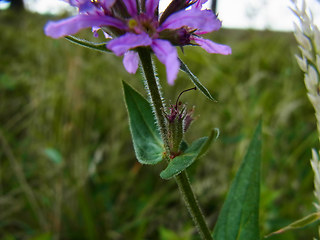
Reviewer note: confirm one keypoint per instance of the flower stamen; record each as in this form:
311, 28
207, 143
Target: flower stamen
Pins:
187, 90
95, 2
132, 23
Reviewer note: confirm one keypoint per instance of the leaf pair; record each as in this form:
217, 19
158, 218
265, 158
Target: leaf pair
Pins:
239, 218
146, 138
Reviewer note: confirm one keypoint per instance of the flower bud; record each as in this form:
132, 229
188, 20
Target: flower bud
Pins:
177, 37
178, 122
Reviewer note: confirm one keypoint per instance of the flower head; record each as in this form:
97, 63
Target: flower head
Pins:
178, 120
132, 24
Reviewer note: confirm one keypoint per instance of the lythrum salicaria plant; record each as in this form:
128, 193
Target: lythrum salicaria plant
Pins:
136, 30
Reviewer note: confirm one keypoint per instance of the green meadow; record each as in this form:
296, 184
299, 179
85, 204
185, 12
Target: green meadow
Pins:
67, 164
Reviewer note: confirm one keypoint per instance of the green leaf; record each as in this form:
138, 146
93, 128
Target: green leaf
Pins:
239, 217
298, 224
183, 146
215, 132
54, 155
146, 138
195, 80
84, 43
191, 154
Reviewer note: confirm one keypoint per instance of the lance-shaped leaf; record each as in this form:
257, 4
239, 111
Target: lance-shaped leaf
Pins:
191, 154
84, 43
147, 143
195, 80
298, 224
239, 217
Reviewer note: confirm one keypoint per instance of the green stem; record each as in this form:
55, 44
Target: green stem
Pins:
154, 92
182, 179
192, 205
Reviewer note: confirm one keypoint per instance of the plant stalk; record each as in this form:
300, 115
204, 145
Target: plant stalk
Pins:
182, 179
154, 94
192, 205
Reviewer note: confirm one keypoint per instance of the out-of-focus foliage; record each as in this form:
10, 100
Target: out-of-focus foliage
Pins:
64, 129
16, 5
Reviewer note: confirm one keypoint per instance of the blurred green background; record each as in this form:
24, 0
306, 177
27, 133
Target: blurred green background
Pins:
67, 166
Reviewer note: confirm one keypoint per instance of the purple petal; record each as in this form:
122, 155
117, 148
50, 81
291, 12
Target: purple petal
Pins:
95, 31
75, 24
203, 20
131, 7
80, 3
151, 6
212, 47
199, 4
77, 3
167, 54
128, 41
88, 6
131, 61
107, 3
96, 34
83, 5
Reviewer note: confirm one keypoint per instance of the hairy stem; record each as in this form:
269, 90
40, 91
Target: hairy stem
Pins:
155, 94
192, 205
182, 179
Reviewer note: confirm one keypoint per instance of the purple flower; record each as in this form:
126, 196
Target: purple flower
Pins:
132, 24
